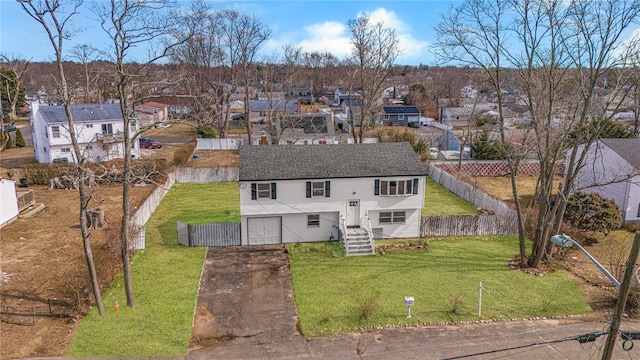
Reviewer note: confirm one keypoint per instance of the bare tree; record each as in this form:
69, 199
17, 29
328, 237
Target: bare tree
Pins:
130, 24
86, 55
56, 17
562, 52
245, 34
375, 49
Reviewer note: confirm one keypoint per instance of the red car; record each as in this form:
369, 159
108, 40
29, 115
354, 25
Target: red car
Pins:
149, 143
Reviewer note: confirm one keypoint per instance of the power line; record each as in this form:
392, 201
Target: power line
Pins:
475, 340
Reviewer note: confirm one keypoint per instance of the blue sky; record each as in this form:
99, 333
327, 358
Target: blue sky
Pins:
313, 25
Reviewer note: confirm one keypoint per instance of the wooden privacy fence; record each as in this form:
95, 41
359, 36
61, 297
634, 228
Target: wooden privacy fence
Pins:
468, 225
468, 192
206, 175
212, 234
218, 144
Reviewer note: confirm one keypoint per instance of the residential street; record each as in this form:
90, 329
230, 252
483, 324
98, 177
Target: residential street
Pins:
246, 310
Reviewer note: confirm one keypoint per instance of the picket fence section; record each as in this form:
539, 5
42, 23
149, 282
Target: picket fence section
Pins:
212, 234
468, 225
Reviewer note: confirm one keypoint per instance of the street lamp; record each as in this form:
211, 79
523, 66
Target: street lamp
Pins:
566, 241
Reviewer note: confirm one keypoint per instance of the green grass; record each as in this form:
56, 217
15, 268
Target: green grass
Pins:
440, 201
332, 290
165, 281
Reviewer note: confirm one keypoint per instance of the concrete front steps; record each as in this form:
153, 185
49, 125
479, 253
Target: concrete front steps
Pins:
358, 242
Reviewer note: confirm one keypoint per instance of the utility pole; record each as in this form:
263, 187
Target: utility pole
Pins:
622, 299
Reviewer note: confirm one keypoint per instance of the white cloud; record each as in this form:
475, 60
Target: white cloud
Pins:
411, 47
334, 37
328, 36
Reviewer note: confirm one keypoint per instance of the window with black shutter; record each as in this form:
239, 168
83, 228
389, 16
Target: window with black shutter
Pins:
327, 188
415, 186
308, 189
254, 191
376, 187
273, 190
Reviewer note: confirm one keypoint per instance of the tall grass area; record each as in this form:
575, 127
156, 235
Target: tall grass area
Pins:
337, 294
438, 200
165, 281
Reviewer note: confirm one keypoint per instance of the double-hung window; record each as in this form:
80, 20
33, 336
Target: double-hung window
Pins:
317, 189
313, 220
392, 217
261, 191
55, 131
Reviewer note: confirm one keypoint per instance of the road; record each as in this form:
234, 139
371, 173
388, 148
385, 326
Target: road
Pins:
246, 310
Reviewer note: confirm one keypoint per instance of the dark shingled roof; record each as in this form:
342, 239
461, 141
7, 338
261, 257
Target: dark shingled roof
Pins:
629, 149
288, 162
401, 109
81, 113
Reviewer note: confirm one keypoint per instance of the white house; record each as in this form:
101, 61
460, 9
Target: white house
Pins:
99, 129
9, 208
319, 193
612, 169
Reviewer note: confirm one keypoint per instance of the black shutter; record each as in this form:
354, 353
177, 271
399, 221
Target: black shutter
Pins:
415, 186
327, 188
273, 190
254, 191
376, 187
308, 189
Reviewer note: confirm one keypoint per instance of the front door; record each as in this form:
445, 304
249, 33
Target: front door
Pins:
353, 213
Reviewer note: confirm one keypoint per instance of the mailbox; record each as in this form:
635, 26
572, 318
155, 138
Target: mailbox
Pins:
408, 300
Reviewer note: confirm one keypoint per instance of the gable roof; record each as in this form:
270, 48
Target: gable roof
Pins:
401, 110
279, 105
81, 113
156, 104
289, 162
628, 149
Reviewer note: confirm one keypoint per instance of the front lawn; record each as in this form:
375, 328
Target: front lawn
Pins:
438, 200
166, 277
335, 293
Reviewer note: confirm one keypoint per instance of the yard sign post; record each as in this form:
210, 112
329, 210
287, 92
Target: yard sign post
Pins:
480, 289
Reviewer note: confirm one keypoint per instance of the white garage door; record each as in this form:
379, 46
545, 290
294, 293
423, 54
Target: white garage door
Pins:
265, 230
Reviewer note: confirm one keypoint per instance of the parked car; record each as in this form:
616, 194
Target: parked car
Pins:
149, 143
414, 125
9, 128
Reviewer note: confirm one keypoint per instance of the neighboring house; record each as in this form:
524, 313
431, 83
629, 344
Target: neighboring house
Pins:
320, 193
179, 105
262, 110
352, 110
152, 114
303, 129
98, 127
612, 169
399, 115
9, 208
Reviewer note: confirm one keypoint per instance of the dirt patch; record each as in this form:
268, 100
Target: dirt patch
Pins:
12, 159
44, 255
215, 158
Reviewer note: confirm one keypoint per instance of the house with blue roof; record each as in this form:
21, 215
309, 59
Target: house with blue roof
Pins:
99, 129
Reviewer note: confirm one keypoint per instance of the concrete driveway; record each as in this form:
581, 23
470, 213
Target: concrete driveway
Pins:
245, 293
246, 310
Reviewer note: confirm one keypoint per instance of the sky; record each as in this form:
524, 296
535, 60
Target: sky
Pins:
314, 25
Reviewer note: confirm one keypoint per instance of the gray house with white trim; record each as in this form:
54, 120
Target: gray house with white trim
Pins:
399, 115
323, 192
